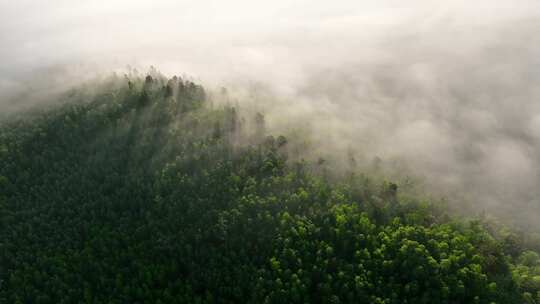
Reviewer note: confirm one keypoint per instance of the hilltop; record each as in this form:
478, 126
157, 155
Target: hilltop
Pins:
142, 190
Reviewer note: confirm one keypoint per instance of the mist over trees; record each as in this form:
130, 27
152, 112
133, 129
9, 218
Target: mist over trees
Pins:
145, 189
448, 92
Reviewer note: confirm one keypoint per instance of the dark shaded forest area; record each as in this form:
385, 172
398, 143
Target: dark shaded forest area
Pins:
146, 192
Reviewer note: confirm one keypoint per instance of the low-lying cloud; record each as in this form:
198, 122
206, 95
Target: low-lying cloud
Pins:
450, 89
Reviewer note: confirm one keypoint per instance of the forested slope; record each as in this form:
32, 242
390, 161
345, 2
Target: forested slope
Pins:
144, 192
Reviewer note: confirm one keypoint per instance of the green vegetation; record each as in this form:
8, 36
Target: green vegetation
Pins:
146, 193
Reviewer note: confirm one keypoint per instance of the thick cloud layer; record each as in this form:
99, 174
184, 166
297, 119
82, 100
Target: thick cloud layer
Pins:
450, 89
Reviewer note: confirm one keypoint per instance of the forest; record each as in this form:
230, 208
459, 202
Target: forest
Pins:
143, 189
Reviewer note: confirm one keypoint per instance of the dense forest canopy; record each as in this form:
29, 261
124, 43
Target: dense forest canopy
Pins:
144, 191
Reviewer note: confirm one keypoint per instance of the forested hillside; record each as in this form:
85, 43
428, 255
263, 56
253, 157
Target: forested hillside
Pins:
146, 192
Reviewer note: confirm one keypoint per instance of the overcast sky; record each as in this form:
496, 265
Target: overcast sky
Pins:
217, 39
